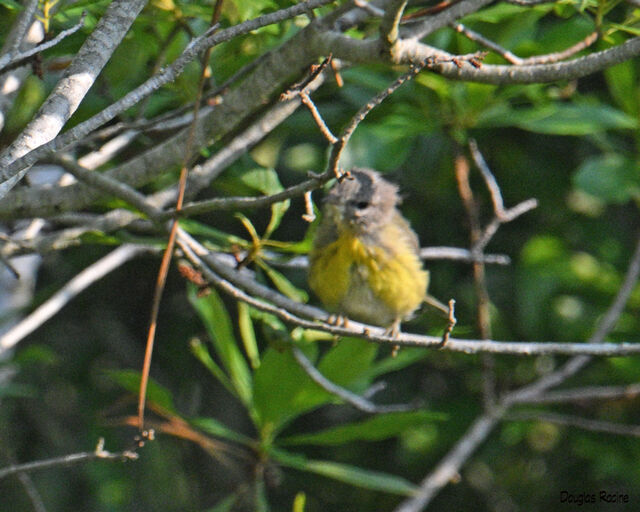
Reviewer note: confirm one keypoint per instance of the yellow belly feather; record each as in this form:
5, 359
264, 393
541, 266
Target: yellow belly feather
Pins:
369, 283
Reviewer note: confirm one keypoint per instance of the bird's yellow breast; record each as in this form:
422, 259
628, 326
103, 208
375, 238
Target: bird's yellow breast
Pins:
377, 283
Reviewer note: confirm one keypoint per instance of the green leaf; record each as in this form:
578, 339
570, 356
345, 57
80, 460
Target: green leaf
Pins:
376, 428
611, 177
215, 428
352, 475
348, 363
201, 352
248, 335
622, 83
11, 4
559, 119
198, 228
218, 324
283, 390
262, 180
277, 213
267, 182
130, 380
405, 357
283, 284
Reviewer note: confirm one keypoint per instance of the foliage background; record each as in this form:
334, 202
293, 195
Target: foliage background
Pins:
572, 145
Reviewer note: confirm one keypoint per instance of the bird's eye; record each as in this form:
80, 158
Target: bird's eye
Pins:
361, 205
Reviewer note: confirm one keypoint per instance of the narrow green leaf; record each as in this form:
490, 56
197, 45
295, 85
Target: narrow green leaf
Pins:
198, 228
348, 474
376, 428
248, 334
283, 284
130, 380
215, 428
201, 352
11, 4
218, 324
248, 225
277, 213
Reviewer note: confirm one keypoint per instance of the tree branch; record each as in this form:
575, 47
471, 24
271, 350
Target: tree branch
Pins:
71, 89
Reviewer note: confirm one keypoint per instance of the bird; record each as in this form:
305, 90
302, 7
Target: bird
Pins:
365, 263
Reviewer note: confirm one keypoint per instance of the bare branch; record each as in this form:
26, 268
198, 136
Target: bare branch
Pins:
447, 469
165, 76
106, 184
583, 394
458, 254
456, 11
67, 460
241, 285
564, 54
487, 43
606, 427
58, 300
71, 89
390, 22
8, 62
19, 30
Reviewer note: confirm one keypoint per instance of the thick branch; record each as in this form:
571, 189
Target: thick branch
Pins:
71, 89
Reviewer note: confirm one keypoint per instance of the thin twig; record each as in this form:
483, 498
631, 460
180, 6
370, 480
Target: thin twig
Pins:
450, 324
487, 43
67, 460
447, 469
324, 129
564, 54
606, 427
8, 62
357, 401
338, 147
483, 316
32, 492
459, 254
584, 394
308, 215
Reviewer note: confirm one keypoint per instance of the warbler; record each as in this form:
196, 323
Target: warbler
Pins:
364, 263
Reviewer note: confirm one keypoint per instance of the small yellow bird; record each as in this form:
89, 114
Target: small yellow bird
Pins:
365, 261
